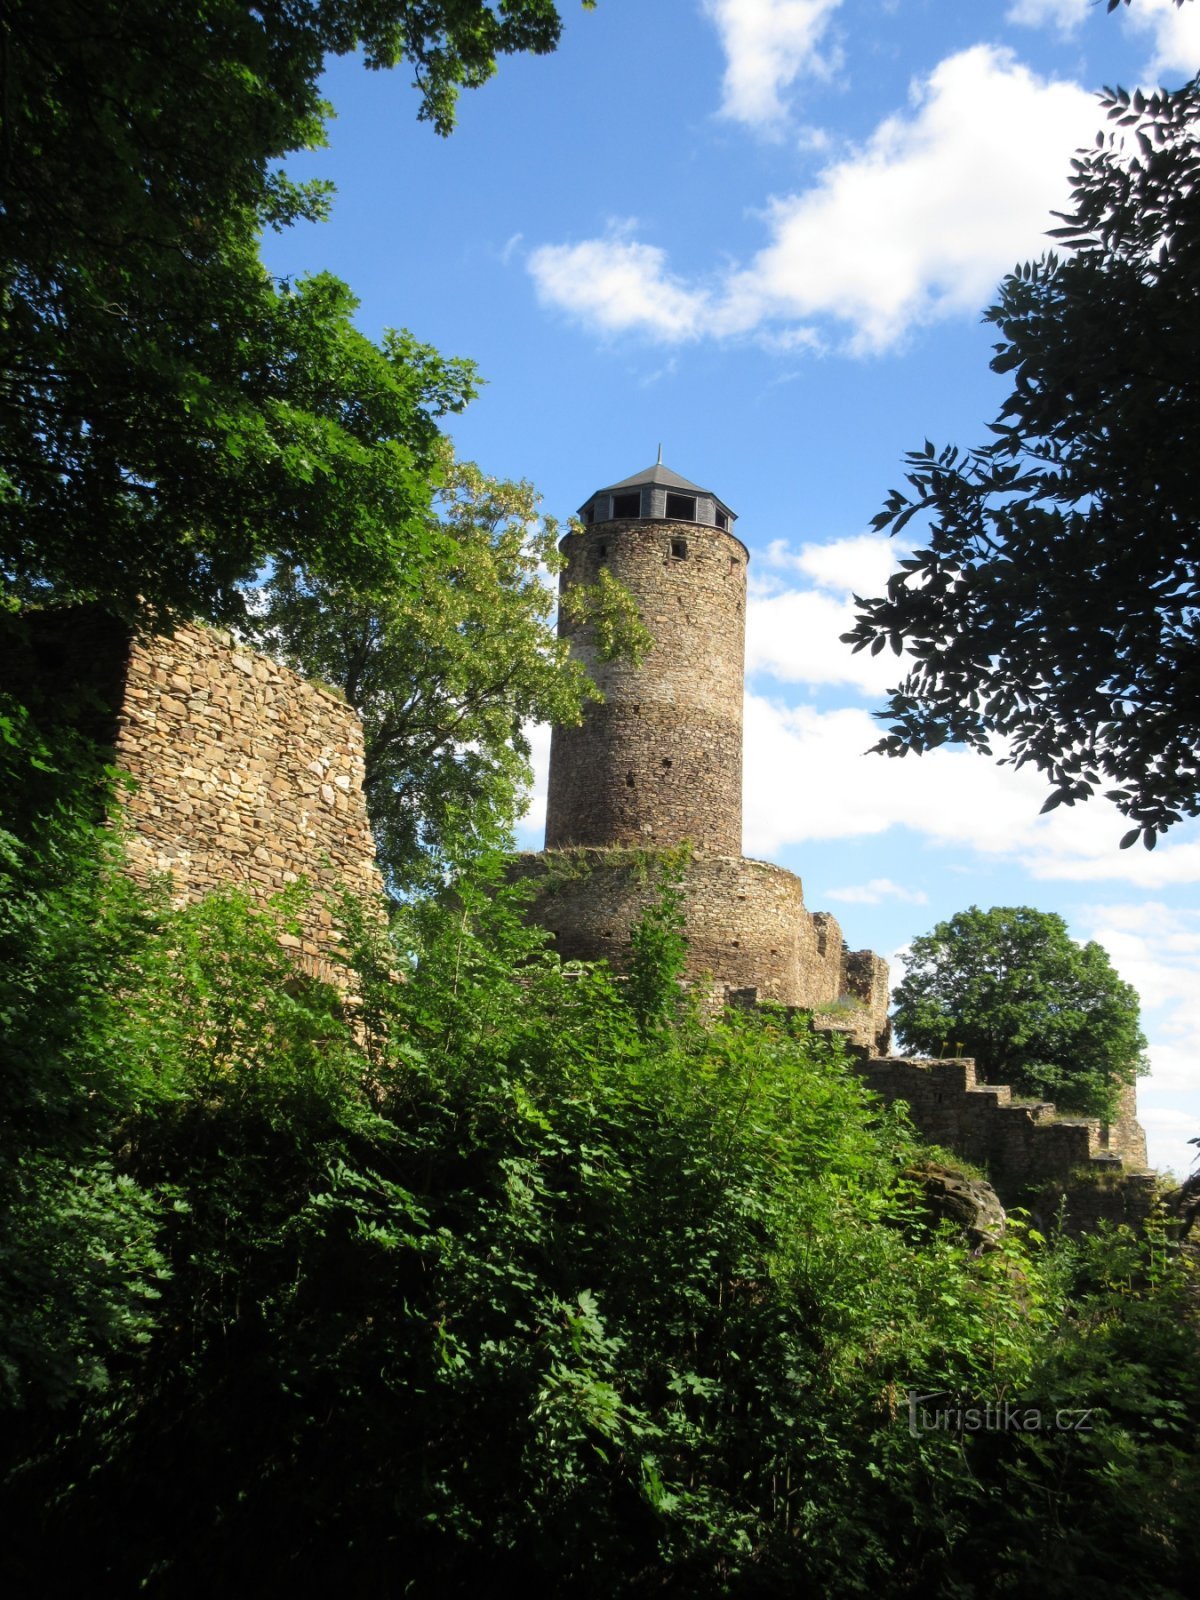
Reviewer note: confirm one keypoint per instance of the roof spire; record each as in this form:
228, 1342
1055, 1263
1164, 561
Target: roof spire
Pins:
659, 462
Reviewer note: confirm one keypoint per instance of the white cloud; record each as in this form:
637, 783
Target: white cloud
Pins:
1157, 950
1175, 36
1063, 15
1168, 1131
531, 829
921, 222
861, 564
952, 798
875, 892
616, 284
768, 44
915, 225
793, 637
1174, 1070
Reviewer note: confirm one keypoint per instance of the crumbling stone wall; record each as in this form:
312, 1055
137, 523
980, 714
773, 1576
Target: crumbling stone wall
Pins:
660, 763
1125, 1135
1030, 1154
245, 773
661, 760
747, 929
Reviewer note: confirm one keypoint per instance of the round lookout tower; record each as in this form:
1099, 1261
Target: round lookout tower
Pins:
660, 760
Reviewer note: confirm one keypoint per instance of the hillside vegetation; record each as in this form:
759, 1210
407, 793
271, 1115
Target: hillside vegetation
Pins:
511, 1273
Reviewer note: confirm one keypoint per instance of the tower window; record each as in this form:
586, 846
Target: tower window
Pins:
589, 513
602, 552
682, 506
722, 520
679, 549
627, 505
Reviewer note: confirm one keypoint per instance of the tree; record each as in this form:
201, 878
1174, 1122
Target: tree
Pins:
448, 671
1010, 987
170, 418
1054, 603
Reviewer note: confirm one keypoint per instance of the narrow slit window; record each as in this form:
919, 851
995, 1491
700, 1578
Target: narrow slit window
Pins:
602, 552
627, 505
682, 506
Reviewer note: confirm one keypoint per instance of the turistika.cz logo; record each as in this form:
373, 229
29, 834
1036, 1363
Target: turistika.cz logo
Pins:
943, 1412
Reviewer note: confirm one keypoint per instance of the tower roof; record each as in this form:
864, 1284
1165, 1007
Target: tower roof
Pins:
657, 474
659, 477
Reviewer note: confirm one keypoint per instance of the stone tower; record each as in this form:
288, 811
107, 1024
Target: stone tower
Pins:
660, 761
659, 764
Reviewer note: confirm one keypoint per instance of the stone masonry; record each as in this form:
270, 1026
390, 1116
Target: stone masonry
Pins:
659, 764
244, 772
748, 932
1090, 1169
660, 760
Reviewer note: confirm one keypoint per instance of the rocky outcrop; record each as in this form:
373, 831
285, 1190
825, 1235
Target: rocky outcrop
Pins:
971, 1204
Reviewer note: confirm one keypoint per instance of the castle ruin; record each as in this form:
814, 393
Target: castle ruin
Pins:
246, 773
658, 765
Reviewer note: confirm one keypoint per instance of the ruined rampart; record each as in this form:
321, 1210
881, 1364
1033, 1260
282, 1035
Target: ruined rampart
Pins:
747, 929
244, 772
1031, 1154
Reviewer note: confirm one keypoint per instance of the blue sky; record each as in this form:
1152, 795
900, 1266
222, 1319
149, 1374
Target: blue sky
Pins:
761, 233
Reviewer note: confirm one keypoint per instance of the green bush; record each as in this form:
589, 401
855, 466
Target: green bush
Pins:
500, 1272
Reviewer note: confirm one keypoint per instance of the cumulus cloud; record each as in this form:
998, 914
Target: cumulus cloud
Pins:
768, 44
1157, 949
616, 284
1168, 1131
1065, 16
793, 637
915, 225
794, 634
875, 892
861, 564
951, 798
1174, 37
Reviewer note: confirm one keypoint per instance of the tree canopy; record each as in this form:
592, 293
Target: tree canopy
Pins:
1037, 1011
1054, 602
171, 418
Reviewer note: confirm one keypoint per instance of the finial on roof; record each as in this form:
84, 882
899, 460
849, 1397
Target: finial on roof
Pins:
659, 463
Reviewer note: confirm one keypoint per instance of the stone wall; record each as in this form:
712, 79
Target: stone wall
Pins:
1125, 1135
245, 773
1029, 1153
660, 761
747, 930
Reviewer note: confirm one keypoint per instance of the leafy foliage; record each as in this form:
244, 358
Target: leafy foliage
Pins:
1054, 603
481, 1281
173, 419
1010, 987
80, 1265
447, 671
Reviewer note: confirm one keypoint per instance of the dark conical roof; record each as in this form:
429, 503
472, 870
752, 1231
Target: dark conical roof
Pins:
657, 474
659, 477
